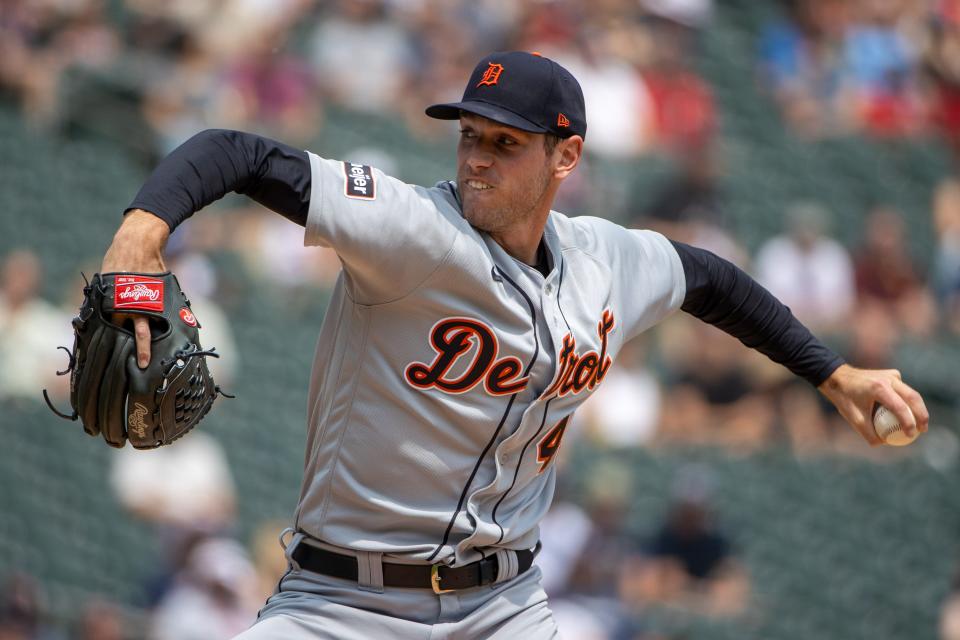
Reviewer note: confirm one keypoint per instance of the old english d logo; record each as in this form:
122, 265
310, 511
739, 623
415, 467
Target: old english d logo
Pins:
492, 75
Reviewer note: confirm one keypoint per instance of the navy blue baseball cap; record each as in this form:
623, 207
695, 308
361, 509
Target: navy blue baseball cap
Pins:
522, 90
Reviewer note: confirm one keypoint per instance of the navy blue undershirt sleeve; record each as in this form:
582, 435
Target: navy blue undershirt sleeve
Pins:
721, 294
214, 162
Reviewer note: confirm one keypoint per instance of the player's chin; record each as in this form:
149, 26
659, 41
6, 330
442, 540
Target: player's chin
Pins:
476, 204
480, 217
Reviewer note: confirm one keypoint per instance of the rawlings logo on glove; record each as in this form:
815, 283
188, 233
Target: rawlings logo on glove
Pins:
109, 393
137, 292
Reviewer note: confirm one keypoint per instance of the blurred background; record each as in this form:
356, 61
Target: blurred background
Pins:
704, 493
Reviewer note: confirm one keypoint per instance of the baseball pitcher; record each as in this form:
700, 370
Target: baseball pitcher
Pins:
468, 324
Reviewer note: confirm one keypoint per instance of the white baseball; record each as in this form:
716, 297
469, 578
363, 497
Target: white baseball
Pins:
888, 428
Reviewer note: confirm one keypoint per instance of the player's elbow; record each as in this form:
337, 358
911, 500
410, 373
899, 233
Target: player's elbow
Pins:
219, 137
207, 134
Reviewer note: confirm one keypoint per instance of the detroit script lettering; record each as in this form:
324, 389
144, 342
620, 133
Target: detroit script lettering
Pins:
459, 341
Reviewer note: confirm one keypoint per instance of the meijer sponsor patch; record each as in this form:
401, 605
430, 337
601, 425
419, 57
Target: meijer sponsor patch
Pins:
359, 181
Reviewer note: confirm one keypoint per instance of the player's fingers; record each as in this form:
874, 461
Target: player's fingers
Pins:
141, 329
857, 418
862, 423
917, 406
892, 401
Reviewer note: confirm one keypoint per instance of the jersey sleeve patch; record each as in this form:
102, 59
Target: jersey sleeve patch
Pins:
358, 181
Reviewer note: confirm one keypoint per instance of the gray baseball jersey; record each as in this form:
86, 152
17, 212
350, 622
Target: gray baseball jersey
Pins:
446, 371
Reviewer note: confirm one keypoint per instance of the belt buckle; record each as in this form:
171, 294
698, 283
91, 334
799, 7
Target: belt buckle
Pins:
435, 580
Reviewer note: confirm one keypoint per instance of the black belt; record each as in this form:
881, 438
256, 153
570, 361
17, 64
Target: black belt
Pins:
440, 578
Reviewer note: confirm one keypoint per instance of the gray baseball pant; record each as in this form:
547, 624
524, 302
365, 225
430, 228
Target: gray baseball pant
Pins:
314, 606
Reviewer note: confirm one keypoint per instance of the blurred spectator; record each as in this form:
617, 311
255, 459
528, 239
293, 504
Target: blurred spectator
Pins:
100, 620
609, 491
804, 419
832, 64
490, 24
685, 118
40, 40
581, 618
873, 336
21, 610
184, 13
552, 25
884, 269
881, 61
807, 270
30, 331
198, 491
695, 14
690, 562
942, 61
689, 196
885, 272
625, 410
837, 67
444, 50
619, 109
565, 533
269, 559
946, 259
294, 274
950, 612
272, 90
197, 499
713, 394
213, 597
361, 58
801, 60
583, 555
235, 24
184, 97
688, 206
237, 75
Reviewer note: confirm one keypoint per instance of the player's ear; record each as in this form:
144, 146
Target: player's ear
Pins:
566, 156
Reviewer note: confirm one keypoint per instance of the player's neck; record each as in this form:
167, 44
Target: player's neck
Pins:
523, 240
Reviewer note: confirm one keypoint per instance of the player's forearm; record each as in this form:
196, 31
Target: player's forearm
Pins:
723, 295
215, 162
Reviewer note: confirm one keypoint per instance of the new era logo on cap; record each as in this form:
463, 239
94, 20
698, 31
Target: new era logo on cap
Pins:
522, 90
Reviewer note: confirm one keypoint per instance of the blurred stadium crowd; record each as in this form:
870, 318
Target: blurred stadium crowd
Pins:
874, 69
881, 67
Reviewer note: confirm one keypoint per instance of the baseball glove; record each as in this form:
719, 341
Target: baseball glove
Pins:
110, 394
